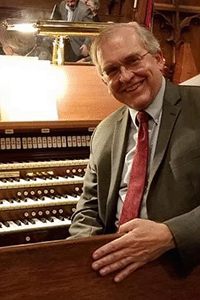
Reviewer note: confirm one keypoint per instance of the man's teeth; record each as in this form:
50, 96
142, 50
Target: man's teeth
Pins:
134, 87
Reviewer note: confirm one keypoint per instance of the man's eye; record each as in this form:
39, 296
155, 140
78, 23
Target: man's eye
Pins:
112, 71
133, 62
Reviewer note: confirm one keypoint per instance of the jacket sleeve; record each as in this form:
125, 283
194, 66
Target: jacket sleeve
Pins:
86, 220
56, 15
88, 18
185, 229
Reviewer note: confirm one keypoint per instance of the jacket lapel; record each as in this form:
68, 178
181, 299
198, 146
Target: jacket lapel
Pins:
170, 113
117, 159
63, 10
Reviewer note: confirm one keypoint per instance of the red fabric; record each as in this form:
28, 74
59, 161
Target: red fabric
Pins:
138, 174
149, 10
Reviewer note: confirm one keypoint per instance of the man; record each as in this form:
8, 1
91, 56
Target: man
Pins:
16, 43
75, 11
94, 6
25, 44
130, 63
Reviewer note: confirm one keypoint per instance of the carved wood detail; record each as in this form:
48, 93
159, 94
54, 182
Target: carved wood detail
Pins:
182, 23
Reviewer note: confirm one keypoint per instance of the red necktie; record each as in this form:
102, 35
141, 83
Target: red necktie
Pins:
137, 181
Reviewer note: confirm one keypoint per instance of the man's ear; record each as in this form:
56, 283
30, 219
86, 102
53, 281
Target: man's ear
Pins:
160, 60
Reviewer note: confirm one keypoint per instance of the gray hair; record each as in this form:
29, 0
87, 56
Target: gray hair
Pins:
147, 39
96, 4
21, 43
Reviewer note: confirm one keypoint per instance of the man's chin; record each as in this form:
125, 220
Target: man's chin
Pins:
137, 105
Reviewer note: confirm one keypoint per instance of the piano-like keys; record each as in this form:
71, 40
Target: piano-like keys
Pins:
38, 198
42, 164
39, 182
33, 224
14, 204
42, 167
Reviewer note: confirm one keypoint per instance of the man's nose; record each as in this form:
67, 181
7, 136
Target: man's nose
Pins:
125, 74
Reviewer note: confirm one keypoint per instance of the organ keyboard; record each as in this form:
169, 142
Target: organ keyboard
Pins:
42, 166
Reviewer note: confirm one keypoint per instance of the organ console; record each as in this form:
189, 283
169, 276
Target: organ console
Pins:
42, 163
41, 176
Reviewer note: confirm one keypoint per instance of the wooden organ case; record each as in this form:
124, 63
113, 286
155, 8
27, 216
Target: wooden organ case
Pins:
41, 175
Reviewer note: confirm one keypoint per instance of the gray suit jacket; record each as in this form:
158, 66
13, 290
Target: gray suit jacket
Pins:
82, 13
174, 181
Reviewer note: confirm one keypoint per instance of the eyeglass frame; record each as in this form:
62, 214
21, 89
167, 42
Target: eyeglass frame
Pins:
138, 60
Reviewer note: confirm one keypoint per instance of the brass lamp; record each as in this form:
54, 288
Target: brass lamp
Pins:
58, 30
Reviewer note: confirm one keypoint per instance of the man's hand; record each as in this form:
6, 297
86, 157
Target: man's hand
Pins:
142, 242
84, 50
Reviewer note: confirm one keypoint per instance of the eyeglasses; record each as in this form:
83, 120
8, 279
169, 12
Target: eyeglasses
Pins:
133, 64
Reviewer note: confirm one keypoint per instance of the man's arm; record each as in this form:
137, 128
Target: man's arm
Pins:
84, 50
142, 241
186, 229
145, 240
88, 17
86, 221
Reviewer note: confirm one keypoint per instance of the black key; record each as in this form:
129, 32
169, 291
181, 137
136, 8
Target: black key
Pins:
61, 218
50, 219
6, 224
10, 200
43, 220
18, 222
25, 221
32, 221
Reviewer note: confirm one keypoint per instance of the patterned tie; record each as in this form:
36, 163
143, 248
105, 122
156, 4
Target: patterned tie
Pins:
138, 173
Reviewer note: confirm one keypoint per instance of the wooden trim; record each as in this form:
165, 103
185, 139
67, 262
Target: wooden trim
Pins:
181, 8
47, 124
62, 270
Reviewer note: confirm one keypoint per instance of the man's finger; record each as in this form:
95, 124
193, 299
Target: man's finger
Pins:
128, 270
116, 266
114, 257
109, 248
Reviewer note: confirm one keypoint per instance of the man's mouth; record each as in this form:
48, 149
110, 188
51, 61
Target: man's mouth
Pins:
132, 88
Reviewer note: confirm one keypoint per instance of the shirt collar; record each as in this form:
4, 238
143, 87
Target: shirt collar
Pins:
155, 108
70, 8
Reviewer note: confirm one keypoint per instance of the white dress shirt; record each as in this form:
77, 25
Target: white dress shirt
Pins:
69, 13
155, 111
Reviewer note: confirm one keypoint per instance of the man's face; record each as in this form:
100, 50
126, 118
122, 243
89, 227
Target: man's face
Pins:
71, 3
135, 89
91, 5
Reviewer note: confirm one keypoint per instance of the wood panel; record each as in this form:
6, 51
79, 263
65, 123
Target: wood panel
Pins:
85, 96
62, 270
70, 92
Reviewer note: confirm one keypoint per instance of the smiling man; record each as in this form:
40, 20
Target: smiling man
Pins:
144, 171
